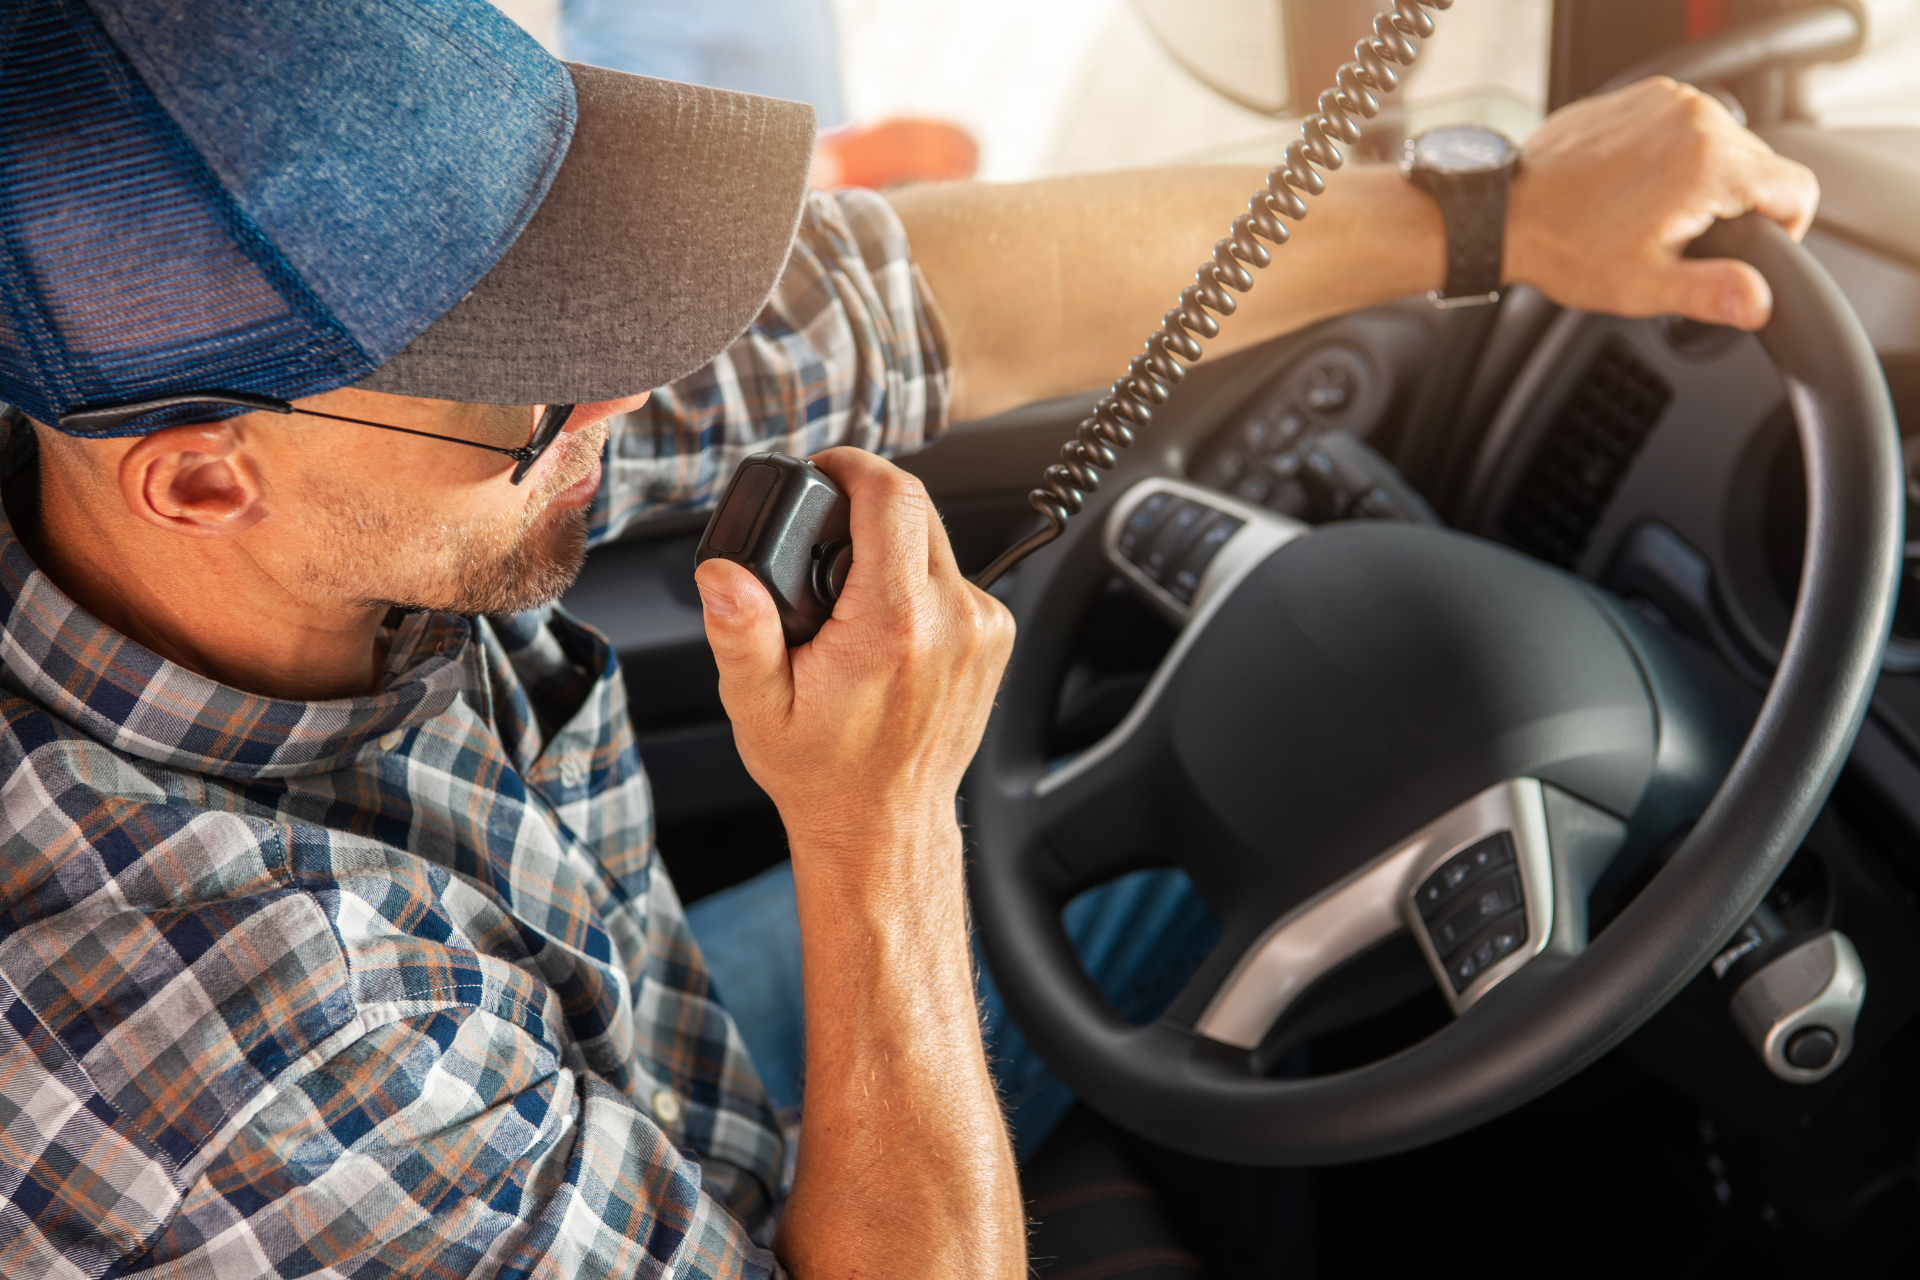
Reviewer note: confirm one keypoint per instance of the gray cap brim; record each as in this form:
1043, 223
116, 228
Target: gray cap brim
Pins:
658, 243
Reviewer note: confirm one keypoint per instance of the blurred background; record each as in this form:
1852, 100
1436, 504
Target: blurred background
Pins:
1057, 86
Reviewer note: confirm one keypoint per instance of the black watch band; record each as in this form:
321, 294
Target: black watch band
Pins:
1474, 206
1468, 170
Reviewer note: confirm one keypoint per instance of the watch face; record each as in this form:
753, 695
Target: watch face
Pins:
1462, 148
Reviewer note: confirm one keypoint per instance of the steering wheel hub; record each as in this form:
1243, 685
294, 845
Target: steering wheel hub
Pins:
1367, 678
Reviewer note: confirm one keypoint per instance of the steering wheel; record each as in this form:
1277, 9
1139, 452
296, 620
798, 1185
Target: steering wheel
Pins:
1377, 729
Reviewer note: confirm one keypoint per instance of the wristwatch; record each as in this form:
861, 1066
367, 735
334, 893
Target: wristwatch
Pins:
1468, 169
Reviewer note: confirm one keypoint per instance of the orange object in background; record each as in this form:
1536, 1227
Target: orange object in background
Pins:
1706, 17
893, 153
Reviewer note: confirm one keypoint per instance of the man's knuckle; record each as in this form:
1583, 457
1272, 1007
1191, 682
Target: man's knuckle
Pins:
901, 488
995, 618
1697, 150
1702, 114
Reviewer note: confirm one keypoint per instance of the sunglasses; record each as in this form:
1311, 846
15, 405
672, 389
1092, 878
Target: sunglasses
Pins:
94, 419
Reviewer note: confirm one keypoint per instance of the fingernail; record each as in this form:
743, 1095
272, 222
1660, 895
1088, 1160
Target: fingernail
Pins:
718, 605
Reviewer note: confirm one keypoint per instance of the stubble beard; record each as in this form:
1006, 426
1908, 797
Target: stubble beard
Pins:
438, 566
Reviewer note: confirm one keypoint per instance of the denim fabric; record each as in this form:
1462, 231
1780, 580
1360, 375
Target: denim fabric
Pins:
781, 48
391, 152
1140, 938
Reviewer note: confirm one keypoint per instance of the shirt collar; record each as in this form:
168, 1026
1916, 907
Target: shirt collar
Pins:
124, 695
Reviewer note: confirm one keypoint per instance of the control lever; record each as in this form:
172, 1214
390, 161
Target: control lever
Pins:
1352, 481
785, 522
1795, 997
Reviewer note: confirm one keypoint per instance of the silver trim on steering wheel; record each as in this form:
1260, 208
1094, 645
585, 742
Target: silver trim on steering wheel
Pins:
1263, 533
1378, 901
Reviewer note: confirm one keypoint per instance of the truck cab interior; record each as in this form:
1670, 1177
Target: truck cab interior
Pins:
1497, 676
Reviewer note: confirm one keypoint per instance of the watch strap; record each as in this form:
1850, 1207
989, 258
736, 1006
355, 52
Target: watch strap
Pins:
1474, 208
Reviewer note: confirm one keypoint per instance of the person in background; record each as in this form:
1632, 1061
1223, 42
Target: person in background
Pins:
777, 48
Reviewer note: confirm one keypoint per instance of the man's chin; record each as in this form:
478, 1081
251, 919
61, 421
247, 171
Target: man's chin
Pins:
538, 571
534, 574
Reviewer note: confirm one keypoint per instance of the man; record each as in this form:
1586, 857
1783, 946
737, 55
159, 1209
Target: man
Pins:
333, 942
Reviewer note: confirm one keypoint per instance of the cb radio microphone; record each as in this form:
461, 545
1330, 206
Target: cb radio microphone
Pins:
785, 522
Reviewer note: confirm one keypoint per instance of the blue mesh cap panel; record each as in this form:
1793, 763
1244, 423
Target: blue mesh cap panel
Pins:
391, 150
125, 271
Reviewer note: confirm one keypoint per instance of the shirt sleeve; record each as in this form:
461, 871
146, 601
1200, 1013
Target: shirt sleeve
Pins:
850, 349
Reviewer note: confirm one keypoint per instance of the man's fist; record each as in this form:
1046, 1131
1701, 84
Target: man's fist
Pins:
863, 733
1614, 188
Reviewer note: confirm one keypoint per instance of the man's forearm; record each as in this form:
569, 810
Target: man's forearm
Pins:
904, 1169
1051, 287
1082, 268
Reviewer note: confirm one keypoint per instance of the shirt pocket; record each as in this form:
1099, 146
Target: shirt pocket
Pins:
74, 1180
182, 1019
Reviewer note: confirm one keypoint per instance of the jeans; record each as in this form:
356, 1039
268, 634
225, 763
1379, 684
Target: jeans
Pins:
1140, 938
780, 48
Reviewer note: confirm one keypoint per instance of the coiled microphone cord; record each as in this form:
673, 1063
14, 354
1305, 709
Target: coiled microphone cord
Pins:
1150, 378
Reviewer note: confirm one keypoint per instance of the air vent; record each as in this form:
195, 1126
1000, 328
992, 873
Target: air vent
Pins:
1582, 458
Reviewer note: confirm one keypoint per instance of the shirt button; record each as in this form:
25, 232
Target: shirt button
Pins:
572, 772
666, 1106
388, 741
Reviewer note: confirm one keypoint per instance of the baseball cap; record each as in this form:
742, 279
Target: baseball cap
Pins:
283, 197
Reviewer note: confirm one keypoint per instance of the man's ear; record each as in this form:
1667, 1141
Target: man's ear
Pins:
196, 480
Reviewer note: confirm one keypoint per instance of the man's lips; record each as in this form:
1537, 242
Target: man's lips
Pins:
567, 453
581, 491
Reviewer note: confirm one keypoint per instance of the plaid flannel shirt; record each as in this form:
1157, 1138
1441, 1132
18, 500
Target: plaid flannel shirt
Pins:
394, 985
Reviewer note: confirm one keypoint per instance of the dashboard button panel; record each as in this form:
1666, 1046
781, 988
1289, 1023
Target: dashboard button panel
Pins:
1299, 448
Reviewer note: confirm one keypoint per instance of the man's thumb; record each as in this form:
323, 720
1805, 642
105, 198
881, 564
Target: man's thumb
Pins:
748, 646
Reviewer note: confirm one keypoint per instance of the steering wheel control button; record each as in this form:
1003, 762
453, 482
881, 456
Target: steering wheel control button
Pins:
1256, 489
1330, 387
1488, 901
1225, 470
1145, 519
1288, 426
1496, 945
1213, 536
1173, 539
1811, 1048
1377, 504
1462, 869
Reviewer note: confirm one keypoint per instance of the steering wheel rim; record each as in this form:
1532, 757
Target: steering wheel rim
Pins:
1556, 1014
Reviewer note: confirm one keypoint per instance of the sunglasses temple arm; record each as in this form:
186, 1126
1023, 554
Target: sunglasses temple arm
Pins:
518, 455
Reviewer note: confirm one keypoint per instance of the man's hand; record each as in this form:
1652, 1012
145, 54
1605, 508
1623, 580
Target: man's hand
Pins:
871, 725
860, 736
1614, 188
